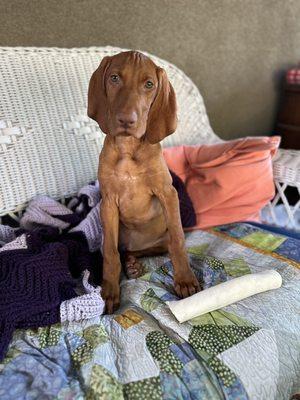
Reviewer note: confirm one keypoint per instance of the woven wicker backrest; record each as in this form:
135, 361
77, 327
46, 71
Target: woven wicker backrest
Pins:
48, 145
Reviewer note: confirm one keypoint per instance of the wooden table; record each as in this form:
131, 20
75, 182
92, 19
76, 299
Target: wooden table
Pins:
288, 121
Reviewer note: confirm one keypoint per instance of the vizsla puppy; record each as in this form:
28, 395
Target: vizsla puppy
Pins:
135, 105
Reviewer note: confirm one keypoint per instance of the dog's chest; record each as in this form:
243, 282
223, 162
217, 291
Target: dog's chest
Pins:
129, 171
132, 182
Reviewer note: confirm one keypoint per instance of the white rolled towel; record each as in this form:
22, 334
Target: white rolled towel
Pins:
224, 294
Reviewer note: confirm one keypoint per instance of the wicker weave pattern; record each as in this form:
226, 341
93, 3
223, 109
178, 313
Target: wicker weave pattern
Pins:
286, 169
48, 145
9, 135
44, 93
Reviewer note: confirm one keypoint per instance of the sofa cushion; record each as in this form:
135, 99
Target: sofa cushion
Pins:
227, 182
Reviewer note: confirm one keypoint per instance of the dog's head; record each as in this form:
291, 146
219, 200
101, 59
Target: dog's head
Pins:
130, 96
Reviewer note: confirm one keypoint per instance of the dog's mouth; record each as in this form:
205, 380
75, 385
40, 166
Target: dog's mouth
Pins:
124, 133
128, 132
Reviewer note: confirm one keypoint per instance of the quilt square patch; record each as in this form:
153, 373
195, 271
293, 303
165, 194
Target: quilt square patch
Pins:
236, 230
263, 240
290, 248
183, 352
128, 319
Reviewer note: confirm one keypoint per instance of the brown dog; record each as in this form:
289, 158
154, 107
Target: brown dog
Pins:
135, 105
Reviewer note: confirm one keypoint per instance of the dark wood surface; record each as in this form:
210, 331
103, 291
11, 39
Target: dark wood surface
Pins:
288, 121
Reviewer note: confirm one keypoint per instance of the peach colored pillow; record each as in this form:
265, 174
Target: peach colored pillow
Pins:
228, 181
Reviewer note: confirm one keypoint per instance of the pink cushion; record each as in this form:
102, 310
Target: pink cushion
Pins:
227, 182
293, 76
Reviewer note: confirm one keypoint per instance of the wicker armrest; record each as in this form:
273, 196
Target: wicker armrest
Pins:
286, 168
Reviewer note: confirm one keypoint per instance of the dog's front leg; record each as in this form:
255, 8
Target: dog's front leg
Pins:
109, 214
185, 282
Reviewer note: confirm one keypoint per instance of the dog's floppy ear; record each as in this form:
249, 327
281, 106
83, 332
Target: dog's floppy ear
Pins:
97, 98
162, 118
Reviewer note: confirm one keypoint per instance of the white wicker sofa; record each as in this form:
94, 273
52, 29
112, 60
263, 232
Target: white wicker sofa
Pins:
48, 145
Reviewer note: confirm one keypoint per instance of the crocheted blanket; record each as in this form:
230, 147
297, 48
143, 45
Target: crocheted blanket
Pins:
41, 259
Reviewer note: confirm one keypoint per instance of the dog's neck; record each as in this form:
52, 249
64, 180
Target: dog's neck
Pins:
129, 147
129, 158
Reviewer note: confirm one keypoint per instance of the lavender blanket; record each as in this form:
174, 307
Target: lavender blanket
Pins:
42, 259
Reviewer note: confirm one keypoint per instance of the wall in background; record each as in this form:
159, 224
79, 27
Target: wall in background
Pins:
234, 50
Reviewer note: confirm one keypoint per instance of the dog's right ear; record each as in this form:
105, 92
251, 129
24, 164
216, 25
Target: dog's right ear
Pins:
97, 98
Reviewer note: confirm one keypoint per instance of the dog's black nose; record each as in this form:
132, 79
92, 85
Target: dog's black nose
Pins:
127, 120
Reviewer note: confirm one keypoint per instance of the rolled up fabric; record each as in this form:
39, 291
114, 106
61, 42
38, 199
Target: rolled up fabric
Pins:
224, 294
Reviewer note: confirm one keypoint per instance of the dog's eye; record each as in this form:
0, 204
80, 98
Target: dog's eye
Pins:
114, 78
149, 85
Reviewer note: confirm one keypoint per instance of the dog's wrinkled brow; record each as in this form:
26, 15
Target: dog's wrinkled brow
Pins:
132, 58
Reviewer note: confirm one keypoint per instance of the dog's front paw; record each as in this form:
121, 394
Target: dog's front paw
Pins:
186, 284
111, 295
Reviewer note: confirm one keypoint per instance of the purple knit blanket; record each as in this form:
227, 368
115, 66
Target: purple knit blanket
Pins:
42, 260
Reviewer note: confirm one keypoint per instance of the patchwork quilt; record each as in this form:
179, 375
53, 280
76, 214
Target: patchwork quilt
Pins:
249, 350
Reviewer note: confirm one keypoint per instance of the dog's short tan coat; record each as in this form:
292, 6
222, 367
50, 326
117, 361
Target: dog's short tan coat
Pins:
135, 105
